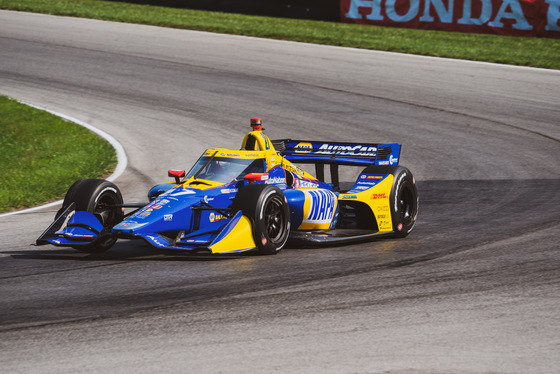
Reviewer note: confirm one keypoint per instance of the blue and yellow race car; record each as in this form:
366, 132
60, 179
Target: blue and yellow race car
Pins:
255, 198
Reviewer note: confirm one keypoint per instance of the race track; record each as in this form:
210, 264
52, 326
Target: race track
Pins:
474, 289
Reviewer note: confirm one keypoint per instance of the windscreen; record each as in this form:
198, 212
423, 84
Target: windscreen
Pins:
224, 170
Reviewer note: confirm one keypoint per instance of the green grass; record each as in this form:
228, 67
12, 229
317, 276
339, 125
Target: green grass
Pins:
537, 52
41, 155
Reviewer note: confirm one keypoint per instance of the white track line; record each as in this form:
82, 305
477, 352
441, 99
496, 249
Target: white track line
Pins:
122, 160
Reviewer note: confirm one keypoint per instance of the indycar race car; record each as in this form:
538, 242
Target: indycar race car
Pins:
255, 198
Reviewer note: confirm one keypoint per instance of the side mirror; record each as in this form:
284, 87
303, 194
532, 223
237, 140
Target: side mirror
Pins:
251, 178
178, 174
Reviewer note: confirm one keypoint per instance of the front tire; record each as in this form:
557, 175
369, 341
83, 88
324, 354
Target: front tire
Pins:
268, 209
98, 197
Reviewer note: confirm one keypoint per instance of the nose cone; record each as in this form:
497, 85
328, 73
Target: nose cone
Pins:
166, 213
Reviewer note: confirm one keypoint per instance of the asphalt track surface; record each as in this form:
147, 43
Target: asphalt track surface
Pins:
475, 288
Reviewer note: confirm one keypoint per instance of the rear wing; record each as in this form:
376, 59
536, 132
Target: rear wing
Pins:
358, 154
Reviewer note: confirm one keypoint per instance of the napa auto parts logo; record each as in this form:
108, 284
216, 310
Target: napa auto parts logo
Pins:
213, 217
510, 17
322, 205
303, 147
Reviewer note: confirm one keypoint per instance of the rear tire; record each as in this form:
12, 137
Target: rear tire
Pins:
403, 198
404, 202
96, 196
268, 210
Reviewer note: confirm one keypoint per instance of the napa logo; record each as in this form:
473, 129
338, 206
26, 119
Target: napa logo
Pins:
303, 148
216, 217
322, 205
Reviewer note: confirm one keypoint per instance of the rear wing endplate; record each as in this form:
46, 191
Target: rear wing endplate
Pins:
358, 154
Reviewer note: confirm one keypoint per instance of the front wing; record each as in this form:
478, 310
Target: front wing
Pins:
82, 229
233, 237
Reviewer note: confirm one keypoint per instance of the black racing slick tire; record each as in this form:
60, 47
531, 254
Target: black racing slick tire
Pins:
268, 210
403, 198
99, 197
404, 201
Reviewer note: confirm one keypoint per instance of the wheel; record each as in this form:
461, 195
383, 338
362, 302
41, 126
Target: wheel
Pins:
268, 209
403, 198
404, 202
96, 196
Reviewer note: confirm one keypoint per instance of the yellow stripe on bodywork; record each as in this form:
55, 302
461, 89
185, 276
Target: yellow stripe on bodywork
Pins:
239, 239
378, 198
379, 202
200, 186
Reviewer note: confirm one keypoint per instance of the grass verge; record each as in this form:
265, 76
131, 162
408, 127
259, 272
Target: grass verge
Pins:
537, 52
41, 155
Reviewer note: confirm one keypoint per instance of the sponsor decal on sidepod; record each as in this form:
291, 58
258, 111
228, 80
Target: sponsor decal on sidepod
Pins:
322, 206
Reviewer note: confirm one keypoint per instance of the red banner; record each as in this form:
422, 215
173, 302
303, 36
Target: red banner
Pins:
507, 17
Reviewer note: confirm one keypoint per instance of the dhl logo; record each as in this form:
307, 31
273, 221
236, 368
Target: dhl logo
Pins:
376, 196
